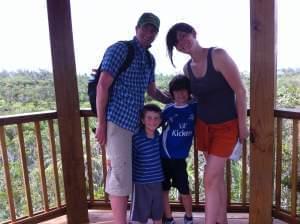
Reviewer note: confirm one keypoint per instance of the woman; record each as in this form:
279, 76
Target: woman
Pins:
221, 112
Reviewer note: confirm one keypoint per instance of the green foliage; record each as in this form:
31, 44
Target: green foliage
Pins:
288, 91
32, 91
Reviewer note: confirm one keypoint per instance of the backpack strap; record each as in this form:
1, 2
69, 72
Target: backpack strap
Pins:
129, 57
128, 60
151, 60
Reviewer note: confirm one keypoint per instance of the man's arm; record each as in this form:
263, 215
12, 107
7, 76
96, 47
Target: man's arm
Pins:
103, 86
158, 95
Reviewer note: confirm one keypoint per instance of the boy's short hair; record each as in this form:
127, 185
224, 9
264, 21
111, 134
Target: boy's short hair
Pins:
149, 107
180, 82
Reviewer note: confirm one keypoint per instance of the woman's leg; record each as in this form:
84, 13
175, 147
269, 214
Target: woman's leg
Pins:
222, 216
214, 183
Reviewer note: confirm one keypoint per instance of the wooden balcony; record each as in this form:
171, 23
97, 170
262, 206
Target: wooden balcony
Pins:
51, 203
268, 182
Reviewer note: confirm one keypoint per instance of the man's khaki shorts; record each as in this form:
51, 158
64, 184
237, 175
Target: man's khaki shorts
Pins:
119, 152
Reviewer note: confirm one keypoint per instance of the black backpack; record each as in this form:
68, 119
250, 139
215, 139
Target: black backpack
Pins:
93, 81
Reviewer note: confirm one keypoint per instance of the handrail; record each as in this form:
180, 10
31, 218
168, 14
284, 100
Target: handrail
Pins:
287, 120
27, 117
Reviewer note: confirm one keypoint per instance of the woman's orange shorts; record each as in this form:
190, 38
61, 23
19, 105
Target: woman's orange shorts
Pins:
217, 139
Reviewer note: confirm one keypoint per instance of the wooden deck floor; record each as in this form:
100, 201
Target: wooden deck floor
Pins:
105, 217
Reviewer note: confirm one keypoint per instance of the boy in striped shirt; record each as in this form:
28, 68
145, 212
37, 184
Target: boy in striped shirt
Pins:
147, 173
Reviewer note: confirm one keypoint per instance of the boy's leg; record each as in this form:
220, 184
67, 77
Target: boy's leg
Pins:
187, 204
157, 221
167, 207
167, 168
182, 184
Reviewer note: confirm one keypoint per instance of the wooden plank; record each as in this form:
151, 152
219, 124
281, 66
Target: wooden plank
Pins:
263, 19
11, 203
89, 158
278, 164
24, 169
294, 169
228, 179
43, 216
27, 117
68, 112
40, 154
196, 172
54, 162
104, 168
289, 113
286, 217
244, 174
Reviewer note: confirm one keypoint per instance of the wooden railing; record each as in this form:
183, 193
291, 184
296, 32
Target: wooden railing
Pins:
45, 171
286, 204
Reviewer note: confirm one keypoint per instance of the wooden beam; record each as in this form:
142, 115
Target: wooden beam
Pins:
66, 91
262, 87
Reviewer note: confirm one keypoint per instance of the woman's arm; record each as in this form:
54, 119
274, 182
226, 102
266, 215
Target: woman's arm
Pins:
224, 64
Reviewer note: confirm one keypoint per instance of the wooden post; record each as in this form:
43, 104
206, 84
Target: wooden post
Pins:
68, 111
262, 86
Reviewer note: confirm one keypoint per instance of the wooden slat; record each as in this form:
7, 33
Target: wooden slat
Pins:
228, 180
196, 172
54, 162
244, 174
43, 216
25, 169
89, 158
286, 217
263, 22
41, 164
104, 169
68, 111
294, 169
7, 175
278, 164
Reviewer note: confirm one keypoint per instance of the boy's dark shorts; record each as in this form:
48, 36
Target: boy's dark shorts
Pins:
175, 175
147, 202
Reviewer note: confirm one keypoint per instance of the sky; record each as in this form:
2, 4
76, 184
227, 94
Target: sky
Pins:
24, 38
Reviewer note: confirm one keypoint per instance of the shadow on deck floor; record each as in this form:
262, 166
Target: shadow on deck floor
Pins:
105, 217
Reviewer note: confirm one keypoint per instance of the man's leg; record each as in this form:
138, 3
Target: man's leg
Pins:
119, 174
119, 208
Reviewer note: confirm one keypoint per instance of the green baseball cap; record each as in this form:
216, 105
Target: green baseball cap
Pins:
149, 18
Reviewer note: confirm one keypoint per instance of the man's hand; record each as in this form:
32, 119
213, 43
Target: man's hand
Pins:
101, 133
108, 164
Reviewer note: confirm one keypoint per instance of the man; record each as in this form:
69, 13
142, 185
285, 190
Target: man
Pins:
118, 108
